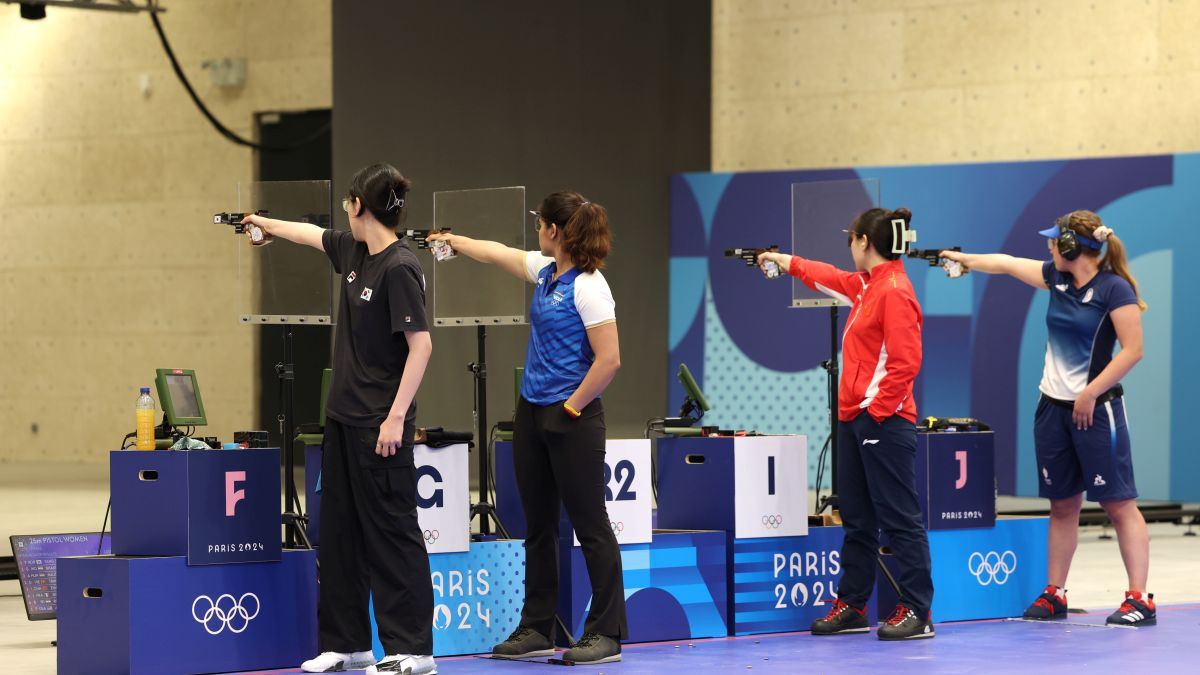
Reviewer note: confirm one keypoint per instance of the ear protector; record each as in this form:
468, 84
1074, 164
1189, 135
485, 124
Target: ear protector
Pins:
1069, 242
902, 236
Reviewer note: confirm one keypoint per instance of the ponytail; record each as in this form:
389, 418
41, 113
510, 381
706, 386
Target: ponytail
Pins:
1088, 224
586, 236
1114, 260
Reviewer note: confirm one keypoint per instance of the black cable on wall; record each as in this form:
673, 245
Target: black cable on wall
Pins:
221, 128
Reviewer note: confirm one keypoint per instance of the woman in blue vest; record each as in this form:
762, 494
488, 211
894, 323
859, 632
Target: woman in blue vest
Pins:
558, 435
1081, 432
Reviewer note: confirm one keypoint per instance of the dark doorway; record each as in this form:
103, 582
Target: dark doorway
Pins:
311, 344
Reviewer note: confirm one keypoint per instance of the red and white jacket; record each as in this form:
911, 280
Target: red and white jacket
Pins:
881, 346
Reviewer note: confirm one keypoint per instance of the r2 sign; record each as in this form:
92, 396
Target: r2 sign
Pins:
625, 473
627, 490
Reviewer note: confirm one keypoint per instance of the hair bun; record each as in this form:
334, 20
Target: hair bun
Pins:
903, 214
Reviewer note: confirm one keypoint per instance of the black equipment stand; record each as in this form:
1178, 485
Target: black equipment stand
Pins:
831, 369
295, 522
483, 508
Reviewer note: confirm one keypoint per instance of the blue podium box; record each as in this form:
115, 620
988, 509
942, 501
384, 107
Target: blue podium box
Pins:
783, 584
987, 573
752, 486
213, 506
477, 597
695, 496
956, 479
675, 587
160, 616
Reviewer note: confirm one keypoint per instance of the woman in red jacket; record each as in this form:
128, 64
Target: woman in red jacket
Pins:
877, 434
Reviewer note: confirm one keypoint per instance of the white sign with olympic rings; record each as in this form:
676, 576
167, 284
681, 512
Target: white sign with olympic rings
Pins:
443, 497
770, 486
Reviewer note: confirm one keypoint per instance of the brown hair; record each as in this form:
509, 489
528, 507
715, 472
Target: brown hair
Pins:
586, 237
1085, 223
876, 226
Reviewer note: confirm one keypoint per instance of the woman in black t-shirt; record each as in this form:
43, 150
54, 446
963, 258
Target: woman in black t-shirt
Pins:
371, 543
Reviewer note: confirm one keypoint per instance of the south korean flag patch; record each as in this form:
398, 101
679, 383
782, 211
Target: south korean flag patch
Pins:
366, 294
351, 277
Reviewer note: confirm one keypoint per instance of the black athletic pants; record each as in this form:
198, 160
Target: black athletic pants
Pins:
559, 457
371, 545
877, 490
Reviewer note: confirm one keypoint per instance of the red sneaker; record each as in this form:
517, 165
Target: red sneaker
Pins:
1135, 611
1048, 605
842, 618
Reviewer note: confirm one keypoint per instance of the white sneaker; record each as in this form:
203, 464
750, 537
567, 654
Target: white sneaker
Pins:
336, 662
407, 664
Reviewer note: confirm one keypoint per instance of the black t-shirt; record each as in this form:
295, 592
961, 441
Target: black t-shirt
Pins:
383, 295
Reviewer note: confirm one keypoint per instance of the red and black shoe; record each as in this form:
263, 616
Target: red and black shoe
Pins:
1135, 611
1049, 605
904, 624
842, 618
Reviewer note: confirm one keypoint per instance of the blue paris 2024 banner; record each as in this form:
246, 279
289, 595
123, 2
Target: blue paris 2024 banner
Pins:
757, 360
477, 597
783, 584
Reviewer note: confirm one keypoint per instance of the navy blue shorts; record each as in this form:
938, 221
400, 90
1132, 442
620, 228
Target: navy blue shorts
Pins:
1096, 459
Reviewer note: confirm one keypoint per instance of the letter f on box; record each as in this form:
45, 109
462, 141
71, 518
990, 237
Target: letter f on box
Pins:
232, 496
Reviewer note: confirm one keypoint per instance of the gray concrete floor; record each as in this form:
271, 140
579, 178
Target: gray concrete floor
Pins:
46, 498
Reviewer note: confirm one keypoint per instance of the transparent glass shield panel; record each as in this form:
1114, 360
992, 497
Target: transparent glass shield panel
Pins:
466, 293
821, 212
282, 282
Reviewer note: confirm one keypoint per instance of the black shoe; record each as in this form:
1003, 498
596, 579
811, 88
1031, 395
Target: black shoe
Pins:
524, 643
842, 618
1135, 611
904, 624
594, 648
1048, 605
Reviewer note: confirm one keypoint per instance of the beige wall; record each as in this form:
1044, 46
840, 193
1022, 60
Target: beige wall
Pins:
109, 263
825, 83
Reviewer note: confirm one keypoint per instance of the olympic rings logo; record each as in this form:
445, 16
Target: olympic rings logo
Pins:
992, 567
217, 617
617, 526
772, 521
431, 536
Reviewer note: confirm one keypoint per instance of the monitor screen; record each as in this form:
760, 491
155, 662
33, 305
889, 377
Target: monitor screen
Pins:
179, 395
37, 557
183, 395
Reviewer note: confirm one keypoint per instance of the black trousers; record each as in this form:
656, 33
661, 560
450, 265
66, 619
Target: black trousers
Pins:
371, 545
877, 490
558, 457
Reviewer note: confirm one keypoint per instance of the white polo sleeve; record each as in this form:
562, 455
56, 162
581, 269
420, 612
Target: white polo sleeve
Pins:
594, 300
535, 262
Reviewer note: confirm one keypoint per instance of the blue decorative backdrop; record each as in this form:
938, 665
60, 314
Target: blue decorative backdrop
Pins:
675, 587
984, 336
